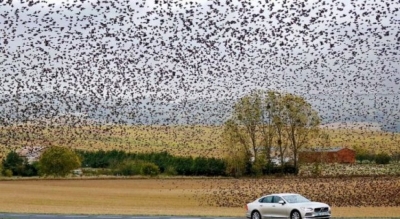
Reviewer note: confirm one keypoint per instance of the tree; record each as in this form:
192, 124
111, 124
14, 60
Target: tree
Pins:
264, 118
301, 122
279, 125
58, 161
248, 114
13, 163
324, 141
17, 166
237, 156
268, 127
243, 130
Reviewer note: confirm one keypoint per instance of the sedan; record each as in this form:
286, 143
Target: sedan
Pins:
286, 205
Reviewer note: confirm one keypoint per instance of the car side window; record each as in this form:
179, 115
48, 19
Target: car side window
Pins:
267, 199
277, 199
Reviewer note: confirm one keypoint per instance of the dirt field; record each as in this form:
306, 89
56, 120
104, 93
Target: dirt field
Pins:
196, 197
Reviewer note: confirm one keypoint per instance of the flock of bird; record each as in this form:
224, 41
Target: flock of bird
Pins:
186, 62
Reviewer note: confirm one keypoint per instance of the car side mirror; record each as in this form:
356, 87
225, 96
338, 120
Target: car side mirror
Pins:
281, 202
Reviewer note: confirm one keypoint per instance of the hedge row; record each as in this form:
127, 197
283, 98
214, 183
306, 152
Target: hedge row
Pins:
167, 163
124, 163
381, 158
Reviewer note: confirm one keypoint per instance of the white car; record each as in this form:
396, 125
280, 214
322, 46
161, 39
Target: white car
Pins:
287, 205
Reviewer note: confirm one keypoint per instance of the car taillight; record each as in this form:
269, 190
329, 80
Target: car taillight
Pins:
247, 208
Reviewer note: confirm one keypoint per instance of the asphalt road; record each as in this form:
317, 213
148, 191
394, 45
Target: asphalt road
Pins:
60, 216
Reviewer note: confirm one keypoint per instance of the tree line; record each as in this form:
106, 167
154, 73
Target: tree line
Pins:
165, 162
268, 127
61, 161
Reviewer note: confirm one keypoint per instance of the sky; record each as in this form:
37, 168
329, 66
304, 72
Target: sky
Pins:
208, 50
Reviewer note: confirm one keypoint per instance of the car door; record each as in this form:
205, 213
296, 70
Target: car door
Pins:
265, 207
279, 210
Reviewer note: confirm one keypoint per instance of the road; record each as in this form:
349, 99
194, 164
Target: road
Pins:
60, 216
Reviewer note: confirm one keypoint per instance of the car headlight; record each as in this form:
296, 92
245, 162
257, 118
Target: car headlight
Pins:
307, 209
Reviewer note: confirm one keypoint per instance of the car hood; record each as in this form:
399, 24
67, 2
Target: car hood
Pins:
310, 204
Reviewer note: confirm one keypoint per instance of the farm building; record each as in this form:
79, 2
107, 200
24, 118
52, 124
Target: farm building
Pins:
328, 155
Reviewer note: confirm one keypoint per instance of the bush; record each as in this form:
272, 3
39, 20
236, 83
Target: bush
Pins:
30, 169
8, 173
128, 168
171, 171
97, 159
184, 165
150, 169
258, 165
365, 157
290, 169
396, 157
200, 166
269, 169
216, 167
58, 161
132, 167
382, 158
316, 169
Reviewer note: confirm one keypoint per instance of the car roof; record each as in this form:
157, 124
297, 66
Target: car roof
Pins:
282, 194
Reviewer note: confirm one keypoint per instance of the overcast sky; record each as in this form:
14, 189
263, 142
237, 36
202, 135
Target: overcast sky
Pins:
179, 50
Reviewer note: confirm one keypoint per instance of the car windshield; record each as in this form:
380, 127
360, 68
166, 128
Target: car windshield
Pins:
295, 198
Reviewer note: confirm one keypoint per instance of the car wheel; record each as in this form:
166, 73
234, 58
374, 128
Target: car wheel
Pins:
255, 215
295, 215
